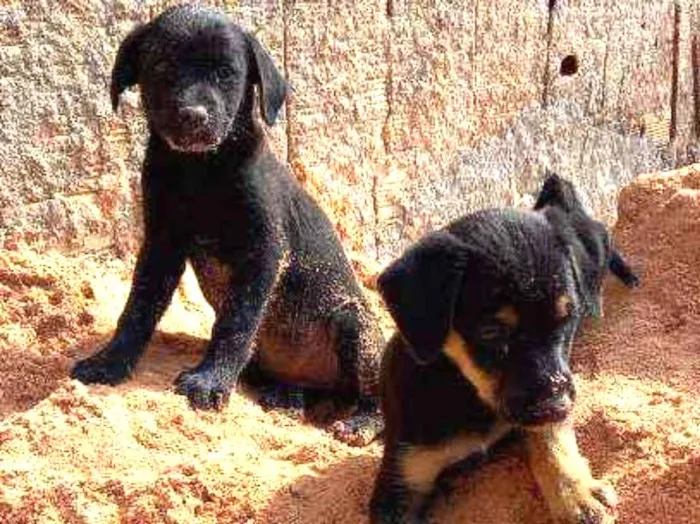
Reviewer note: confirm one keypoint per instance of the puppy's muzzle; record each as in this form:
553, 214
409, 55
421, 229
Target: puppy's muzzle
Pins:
193, 119
546, 400
193, 132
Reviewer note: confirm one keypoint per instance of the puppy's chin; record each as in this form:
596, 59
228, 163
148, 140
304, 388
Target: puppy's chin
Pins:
191, 146
554, 413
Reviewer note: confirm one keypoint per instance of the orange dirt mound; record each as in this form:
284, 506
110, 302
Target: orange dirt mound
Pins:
137, 454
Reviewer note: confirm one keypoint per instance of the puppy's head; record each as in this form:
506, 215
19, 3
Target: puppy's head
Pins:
498, 294
197, 71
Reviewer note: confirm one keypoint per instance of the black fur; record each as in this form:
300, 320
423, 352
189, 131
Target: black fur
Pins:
547, 267
266, 256
421, 290
558, 193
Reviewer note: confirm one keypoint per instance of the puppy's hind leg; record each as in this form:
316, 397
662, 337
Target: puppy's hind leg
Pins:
271, 394
354, 399
361, 428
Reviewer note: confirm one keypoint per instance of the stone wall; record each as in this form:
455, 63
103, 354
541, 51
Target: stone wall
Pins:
404, 115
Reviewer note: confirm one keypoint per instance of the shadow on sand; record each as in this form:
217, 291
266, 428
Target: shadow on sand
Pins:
29, 377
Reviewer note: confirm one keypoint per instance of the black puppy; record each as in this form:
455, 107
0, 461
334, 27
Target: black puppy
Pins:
486, 311
266, 256
558, 192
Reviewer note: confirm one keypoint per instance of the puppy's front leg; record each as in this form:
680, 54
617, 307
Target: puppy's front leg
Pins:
158, 270
208, 385
571, 492
397, 500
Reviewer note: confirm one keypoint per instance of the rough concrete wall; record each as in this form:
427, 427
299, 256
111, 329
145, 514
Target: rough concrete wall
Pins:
461, 72
405, 114
336, 63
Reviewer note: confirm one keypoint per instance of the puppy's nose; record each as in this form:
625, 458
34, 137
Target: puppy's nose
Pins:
194, 116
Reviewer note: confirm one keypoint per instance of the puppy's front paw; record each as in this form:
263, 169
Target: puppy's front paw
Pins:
203, 388
99, 369
591, 502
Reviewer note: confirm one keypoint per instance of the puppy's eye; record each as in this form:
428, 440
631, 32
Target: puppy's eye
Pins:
224, 74
493, 332
161, 68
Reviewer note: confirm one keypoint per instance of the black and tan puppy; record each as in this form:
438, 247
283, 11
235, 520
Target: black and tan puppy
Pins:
266, 256
487, 310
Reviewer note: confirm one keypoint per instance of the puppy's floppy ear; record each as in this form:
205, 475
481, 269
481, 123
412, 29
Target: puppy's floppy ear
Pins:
126, 65
272, 87
421, 289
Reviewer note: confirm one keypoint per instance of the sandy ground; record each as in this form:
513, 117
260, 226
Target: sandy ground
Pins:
136, 453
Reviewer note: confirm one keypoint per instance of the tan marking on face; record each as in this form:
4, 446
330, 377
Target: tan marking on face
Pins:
486, 385
564, 477
420, 466
508, 316
563, 307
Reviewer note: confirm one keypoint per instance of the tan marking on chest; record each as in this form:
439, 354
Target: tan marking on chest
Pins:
421, 465
459, 352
